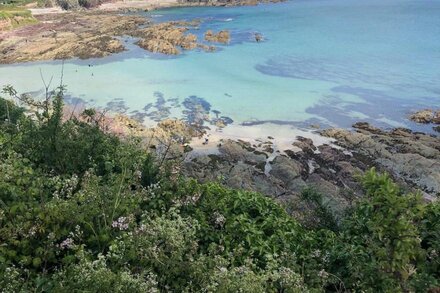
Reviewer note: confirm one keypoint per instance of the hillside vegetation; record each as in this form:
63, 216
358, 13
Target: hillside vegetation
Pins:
12, 16
82, 210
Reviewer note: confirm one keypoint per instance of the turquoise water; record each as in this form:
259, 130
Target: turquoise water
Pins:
330, 62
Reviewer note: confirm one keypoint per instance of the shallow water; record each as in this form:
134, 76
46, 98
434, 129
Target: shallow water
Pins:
330, 62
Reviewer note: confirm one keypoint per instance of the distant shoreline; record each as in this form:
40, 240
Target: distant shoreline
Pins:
59, 34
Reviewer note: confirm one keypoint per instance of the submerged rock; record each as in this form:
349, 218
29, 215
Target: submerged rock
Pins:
207, 48
220, 37
258, 37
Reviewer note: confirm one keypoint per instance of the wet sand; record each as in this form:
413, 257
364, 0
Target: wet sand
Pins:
281, 137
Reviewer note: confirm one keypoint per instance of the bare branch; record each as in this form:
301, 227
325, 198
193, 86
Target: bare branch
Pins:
62, 74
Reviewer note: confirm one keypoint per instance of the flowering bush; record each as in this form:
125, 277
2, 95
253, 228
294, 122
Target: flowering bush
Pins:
84, 211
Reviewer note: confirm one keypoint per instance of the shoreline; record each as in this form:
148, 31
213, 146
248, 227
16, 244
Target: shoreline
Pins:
328, 160
273, 156
151, 5
280, 161
281, 138
55, 29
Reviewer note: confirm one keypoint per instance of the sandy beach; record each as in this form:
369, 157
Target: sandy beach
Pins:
281, 137
137, 4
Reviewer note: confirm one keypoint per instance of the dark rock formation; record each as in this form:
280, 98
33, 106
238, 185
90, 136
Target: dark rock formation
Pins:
166, 38
413, 159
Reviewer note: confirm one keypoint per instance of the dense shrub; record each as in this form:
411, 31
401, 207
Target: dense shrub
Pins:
82, 210
75, 4
89, 3
381, 241
68, 4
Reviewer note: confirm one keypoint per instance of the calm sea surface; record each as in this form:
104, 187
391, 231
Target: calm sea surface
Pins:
330, 62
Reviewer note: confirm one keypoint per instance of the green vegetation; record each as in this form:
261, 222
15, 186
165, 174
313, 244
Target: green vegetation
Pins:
11, 9
16, 15
84, 211
12, 3
10, 12
71, 4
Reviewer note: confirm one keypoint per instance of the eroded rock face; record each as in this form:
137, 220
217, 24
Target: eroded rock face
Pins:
223, 37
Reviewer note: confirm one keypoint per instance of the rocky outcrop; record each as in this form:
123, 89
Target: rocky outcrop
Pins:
5, 24
92, 35
60, 36
158, 46
166, 38
223, 37
282, 176
414, 157
426, 116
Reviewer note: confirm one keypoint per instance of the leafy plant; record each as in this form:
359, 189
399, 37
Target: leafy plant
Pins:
83, 210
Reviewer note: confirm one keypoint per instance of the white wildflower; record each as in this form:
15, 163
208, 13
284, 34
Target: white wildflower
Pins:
68, 243
121, 223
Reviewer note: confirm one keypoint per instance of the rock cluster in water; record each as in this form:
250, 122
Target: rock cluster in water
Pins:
96, 33
221, 37
427, 116
197, 112
166, 38
171, 37
93, 35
